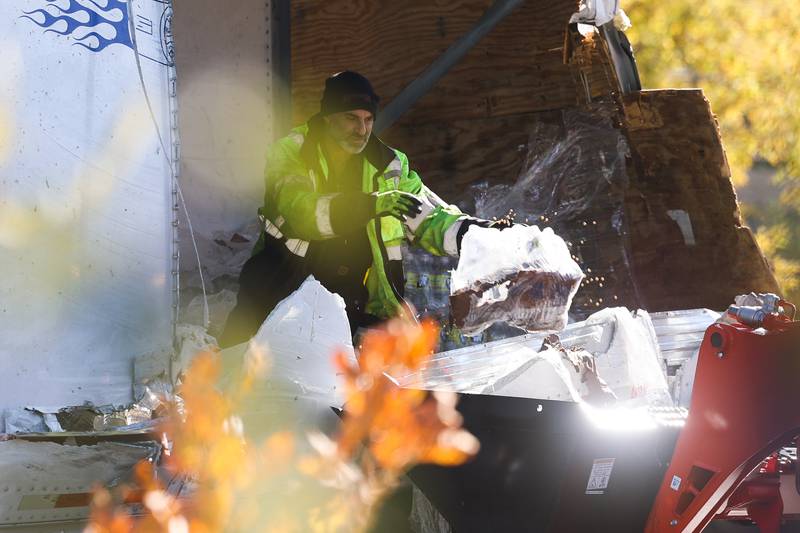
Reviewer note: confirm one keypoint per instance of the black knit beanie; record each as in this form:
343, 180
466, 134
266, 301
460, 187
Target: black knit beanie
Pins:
348, 90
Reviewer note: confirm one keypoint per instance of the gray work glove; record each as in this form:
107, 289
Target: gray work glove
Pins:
397, 204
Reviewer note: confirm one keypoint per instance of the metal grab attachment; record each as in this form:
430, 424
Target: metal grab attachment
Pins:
773, 312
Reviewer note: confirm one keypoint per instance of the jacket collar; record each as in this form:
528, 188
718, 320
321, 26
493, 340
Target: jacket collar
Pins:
376, 152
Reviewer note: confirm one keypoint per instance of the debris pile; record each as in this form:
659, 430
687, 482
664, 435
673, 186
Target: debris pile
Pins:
223, 253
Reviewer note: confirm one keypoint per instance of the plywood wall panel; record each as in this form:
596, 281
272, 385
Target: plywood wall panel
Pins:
517, 68
451, 155
387, 41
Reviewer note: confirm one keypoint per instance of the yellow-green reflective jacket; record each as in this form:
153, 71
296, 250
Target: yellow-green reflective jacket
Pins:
297, 210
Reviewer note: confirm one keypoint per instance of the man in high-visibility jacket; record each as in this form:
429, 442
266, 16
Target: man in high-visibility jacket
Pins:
339, 204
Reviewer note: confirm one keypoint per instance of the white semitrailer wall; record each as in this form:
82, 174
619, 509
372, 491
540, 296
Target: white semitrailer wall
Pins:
87, 174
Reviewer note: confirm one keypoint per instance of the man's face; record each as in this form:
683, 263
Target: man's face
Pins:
350, 129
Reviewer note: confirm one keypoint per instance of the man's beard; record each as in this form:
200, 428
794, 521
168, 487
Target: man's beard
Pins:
353, 145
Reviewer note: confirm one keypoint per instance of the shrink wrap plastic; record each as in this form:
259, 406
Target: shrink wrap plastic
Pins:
522, 276
295, 346
573, 180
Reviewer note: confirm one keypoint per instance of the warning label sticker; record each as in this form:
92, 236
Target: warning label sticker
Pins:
601, 473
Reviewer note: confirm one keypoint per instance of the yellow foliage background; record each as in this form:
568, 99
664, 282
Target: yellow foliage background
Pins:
746, 58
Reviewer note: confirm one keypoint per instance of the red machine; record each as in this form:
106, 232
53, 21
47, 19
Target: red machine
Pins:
744, 408
546, 465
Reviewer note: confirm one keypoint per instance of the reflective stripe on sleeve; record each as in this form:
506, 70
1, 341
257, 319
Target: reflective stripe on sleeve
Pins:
395, 177
394, 253
395, 166
427, 208
394, 171
272, 229
451, 238
297, 247
323, 215
433, 197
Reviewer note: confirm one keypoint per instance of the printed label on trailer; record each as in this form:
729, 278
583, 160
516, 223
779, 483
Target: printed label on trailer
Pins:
676, 483
601, 473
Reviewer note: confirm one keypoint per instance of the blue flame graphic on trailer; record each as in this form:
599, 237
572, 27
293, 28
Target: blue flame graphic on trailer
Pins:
113, 14
144, 26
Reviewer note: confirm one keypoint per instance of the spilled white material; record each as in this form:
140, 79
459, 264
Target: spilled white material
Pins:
489, 255
191, 340
298, 341
544, 375
628, 357
28, 420
301, 335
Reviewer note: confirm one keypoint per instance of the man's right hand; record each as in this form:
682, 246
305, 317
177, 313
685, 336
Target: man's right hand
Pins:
397, 204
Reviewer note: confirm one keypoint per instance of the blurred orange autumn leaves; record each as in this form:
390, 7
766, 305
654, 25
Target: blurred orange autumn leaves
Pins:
288, 483
402, 426
746, 58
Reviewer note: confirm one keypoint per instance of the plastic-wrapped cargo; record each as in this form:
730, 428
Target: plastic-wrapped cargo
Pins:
572, 179
485, 368
522, 275
556, 372
626, 357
